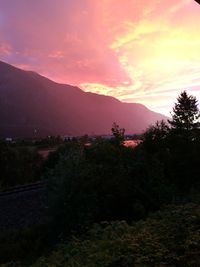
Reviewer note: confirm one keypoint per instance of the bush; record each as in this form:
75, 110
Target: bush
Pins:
18, 165
23, 245
168, 238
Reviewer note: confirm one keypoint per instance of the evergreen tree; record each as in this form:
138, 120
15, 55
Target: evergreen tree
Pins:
185, 113
183, 143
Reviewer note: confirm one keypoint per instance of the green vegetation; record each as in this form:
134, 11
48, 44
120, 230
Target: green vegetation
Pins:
21, 162
18, 165
118, 134
168, 238
113, 205
185, 114
23, 245
104, 182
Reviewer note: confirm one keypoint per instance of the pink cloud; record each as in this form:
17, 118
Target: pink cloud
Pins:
138, 51
5, 49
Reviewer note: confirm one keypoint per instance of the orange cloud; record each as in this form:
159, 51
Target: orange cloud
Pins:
160, 54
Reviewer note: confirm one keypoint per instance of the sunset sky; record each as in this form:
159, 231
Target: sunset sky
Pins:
144, 51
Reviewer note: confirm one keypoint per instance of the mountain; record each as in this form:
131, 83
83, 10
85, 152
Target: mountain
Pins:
29, 101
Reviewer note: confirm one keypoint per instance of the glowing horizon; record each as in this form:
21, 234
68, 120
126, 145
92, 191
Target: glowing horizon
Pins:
137, 51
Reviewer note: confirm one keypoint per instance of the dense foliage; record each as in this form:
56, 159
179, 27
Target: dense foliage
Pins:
185, 113
177, 145
104, 182
18, 165
24, 245
168, 238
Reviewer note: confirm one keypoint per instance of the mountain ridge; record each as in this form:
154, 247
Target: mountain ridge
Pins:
33, 105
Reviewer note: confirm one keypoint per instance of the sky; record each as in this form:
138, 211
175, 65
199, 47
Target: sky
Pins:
144, 51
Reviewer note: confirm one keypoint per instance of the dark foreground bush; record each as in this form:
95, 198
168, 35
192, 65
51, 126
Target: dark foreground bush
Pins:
23, 245
168, 238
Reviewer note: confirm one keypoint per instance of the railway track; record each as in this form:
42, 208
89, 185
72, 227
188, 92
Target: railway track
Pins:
23, 188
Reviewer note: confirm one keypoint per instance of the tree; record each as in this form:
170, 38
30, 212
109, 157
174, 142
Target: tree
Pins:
155, 136
184, 142
118, 134
185, 114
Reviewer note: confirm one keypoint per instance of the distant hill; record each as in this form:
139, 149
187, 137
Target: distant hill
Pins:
29, 101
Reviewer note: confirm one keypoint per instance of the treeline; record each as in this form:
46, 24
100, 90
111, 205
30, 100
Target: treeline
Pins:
21, 161
122, 187
177, 144
107, 181
18, 165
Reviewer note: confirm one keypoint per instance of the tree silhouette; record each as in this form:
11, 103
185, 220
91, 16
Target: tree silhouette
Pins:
118, 134
185, 114
155, 136
183, 142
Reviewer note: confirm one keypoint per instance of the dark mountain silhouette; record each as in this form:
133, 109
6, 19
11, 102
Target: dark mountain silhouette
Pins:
29, 101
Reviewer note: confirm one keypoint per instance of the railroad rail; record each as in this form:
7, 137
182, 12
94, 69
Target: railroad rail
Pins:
23, 188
